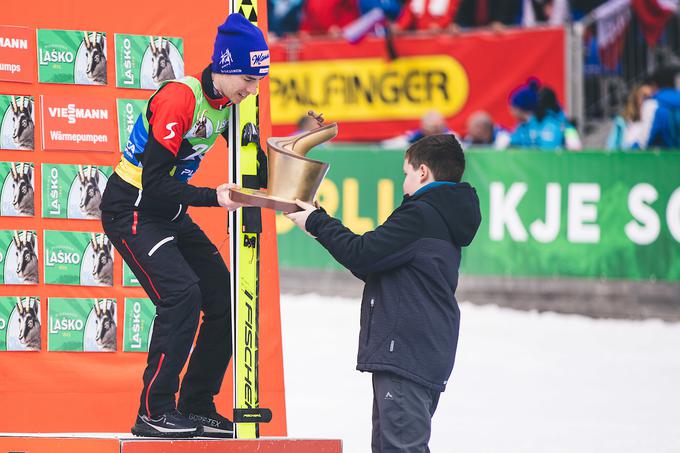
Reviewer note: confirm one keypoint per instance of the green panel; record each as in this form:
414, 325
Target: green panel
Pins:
78, 325
128, 112
610, 215
19, 257
20, 324
139, 317
135, 62
17, 189
78, 258
73, 191
129, 278
17, 110
63, 56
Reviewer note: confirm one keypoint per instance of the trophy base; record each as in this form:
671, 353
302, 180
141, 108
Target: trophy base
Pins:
260, 198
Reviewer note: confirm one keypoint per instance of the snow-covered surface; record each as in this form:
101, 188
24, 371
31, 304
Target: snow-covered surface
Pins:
523, 382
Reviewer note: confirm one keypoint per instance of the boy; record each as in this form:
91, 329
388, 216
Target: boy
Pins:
409, 314
144, 214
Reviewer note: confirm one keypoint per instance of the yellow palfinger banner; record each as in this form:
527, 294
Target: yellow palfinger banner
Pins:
368, 88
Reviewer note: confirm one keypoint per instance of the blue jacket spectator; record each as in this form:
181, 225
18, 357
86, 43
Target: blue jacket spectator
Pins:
661, 120
548, 129
660, 115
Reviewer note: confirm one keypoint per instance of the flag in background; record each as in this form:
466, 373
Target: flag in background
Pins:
653, 15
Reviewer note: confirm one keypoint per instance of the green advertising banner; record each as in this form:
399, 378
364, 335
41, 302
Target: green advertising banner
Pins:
17, 190
20, 324
129, 278
73, 191
81, 325
139, 317
18, 257
78, 258
544, 214
17, 122
128, 112
72, 56
144, 61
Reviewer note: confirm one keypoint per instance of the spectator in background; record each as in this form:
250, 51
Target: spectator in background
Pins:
548, 129
545, 12
523, 103
485, 13
423, 15
327, 16
660, 115
283, 16
432, 123
627, 128
481, 131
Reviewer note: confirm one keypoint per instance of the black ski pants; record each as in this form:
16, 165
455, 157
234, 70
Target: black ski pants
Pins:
402, 414
183, 274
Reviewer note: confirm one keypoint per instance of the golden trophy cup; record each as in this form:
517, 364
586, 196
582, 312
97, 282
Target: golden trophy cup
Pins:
291, 175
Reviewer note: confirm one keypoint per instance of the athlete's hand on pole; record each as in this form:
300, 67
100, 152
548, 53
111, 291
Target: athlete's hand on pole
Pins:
224, 199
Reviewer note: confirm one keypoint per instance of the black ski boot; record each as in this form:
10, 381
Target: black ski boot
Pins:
171, 424
213, 424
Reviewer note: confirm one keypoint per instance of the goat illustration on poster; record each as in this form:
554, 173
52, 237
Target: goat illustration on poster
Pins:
17, 122
145, 62
17, 187
19, 257
73, 191
20, 324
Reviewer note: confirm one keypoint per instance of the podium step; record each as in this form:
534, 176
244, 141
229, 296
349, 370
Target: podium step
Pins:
126, 443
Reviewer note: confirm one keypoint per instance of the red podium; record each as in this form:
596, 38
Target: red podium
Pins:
126, 443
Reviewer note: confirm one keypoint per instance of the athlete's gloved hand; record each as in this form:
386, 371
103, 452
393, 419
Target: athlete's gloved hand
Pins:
224, 199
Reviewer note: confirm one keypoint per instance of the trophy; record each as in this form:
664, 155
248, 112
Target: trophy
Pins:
291, 175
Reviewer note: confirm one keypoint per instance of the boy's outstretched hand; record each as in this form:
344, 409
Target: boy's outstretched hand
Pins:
299, 218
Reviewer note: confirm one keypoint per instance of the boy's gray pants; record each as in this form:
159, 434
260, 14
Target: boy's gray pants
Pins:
402, 414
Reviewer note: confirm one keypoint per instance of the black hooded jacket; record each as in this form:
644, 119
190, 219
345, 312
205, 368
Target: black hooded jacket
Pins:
409, 314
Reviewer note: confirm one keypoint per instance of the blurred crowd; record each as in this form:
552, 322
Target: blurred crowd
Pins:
649, 120
330, 17
540, 124
651, 116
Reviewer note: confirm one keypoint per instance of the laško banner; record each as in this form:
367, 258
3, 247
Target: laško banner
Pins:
377, 98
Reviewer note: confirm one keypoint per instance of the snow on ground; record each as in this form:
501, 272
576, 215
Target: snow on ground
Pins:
523, 382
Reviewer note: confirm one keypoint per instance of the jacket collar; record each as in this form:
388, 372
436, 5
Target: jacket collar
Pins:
210, 92
433, 185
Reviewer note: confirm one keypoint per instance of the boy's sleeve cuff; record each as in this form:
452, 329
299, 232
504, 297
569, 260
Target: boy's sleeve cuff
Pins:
312, 223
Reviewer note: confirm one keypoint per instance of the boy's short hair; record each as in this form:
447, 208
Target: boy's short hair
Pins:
442, 154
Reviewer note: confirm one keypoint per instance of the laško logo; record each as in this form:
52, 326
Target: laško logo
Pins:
72, 113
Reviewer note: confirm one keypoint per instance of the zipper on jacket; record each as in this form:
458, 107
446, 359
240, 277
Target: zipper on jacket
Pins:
370, 319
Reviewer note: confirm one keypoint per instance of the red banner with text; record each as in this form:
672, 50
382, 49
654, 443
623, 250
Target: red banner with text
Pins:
377, 98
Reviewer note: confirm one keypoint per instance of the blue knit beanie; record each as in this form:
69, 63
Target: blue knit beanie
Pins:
240, 48
525, 97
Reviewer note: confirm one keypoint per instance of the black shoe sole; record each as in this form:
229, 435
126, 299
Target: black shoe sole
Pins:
152, 433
